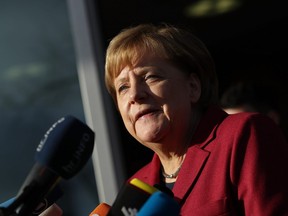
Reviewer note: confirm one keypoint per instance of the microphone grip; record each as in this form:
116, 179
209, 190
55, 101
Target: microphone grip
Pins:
3, 212
30, 198
50, 199
53, 210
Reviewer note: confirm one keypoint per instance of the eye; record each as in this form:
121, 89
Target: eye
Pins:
122, 88
152, 77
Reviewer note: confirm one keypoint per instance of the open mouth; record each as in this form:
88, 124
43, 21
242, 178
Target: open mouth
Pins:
146, 112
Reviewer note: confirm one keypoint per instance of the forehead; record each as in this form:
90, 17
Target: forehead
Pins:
145, 64
135, 55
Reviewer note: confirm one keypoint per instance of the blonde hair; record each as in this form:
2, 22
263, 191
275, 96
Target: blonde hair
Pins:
178, 46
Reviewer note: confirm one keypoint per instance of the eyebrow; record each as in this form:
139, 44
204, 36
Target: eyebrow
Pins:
119, 81
139, 72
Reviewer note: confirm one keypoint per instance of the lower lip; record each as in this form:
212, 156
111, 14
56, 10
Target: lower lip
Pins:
147, 115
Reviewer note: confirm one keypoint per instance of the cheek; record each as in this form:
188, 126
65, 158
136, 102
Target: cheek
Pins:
125, 118
122, 112
127, 123
130, 128
177, 104
123, 115
162, 94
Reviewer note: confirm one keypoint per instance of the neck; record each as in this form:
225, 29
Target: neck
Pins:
171, 168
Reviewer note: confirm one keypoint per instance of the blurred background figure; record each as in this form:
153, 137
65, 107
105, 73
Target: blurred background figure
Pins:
250, 96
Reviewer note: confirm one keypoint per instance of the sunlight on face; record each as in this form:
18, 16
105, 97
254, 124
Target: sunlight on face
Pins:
154, 101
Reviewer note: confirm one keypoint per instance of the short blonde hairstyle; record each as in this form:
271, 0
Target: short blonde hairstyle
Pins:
178, 46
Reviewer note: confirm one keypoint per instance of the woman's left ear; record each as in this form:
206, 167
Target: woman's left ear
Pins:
195, 87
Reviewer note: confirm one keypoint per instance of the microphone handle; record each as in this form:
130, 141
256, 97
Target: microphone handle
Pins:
4, 212
32, 194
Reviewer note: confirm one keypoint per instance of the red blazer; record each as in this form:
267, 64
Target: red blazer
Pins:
236, 165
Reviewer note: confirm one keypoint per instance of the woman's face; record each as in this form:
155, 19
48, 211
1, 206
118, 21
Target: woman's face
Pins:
155, 100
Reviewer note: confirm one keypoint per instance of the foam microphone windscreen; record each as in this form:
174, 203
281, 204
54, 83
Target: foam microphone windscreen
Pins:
62, 153
66, 146
160, 204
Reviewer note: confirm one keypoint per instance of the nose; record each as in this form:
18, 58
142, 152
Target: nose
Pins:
137, 93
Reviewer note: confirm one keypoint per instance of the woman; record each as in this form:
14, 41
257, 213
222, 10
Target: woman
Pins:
164, 85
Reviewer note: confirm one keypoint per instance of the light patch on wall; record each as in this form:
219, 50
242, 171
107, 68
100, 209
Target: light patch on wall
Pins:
205, 8
23, 71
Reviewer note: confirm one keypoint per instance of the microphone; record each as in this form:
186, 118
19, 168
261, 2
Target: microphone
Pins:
62, 153
164, 189
160, 204
7, 203
101, 210
50, 199
130, 198
53, 210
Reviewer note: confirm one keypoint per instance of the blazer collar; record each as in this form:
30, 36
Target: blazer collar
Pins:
205, 131
197, 156
195, 159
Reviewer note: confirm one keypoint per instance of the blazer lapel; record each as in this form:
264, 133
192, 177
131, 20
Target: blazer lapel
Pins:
150, 173
195, 160
190, 171
197, 156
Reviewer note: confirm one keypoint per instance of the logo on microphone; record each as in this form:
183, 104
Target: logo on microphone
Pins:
42, 142
129, 211
78, 154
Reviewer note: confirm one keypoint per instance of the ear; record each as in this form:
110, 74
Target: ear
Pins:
195, 88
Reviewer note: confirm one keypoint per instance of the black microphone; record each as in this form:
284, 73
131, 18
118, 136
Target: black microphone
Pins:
46, 202
64, 150
53, 210
164, 189
130, 198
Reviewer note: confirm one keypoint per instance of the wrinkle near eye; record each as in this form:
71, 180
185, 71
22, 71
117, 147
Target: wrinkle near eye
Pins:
121, 84
122, 88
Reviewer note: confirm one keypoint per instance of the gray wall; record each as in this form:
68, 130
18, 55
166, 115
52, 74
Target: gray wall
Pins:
38, 85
